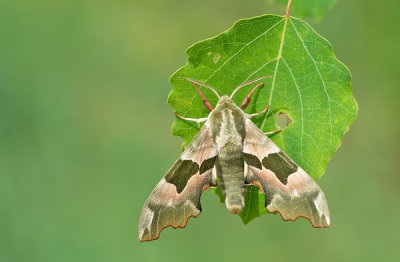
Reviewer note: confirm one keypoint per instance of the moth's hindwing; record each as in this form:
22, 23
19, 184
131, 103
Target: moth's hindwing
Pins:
176, 198
288, 189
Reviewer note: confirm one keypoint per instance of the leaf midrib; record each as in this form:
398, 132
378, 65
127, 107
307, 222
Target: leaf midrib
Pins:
278, 58
241, 49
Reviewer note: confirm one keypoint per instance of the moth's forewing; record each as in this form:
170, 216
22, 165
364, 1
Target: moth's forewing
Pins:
176, 198
288, 189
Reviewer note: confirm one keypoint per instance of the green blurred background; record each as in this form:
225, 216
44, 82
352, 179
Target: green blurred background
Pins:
85, 134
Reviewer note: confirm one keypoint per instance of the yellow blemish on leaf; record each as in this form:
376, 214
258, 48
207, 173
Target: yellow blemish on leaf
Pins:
216, 58
186, 103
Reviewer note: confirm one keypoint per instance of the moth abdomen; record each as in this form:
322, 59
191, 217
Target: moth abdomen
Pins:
234, 194
232, 181
234, 203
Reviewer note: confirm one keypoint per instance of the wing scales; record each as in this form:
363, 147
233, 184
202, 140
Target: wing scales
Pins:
288, 189
176, 198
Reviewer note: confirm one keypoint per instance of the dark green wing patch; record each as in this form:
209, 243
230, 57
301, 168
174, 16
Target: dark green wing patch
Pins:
181, 172
207, 164
281, 165
252, 160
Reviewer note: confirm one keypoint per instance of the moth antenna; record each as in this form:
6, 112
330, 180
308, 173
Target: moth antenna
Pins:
205, 101
245, 84
246, 101
197, 82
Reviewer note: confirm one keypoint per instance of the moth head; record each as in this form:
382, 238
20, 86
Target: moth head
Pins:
225, 100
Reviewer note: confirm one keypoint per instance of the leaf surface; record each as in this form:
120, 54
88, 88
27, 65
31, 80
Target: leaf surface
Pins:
308, 84
308, 8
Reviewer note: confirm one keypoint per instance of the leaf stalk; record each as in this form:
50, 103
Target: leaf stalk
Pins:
288, 8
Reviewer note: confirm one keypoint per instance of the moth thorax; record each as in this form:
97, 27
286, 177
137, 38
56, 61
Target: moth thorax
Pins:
234, 203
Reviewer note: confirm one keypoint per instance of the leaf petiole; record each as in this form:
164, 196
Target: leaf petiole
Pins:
288, 8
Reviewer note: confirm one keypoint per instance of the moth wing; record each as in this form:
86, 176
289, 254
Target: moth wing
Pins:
288, 189
176, 198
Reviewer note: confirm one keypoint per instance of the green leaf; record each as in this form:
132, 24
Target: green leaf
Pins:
308, 84
308, 8
255, 204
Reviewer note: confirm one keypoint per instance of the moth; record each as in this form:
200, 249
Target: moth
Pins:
231, 149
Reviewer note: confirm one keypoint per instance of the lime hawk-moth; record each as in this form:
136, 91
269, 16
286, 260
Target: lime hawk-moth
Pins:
231, 149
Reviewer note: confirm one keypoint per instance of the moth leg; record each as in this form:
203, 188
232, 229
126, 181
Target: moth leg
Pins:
205, 101
246, 101
197, 120
214, 177
259, 113
248, 175
273, 132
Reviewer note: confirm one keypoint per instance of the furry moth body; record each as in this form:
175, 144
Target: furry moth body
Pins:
233, 149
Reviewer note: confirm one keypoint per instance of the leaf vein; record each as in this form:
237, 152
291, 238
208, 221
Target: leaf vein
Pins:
274, 79
320, 76
301, 109
241, 49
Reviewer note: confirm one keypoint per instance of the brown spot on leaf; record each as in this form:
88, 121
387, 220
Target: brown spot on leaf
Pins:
283, 120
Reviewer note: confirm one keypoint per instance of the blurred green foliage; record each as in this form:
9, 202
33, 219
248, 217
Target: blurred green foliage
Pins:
85, 134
